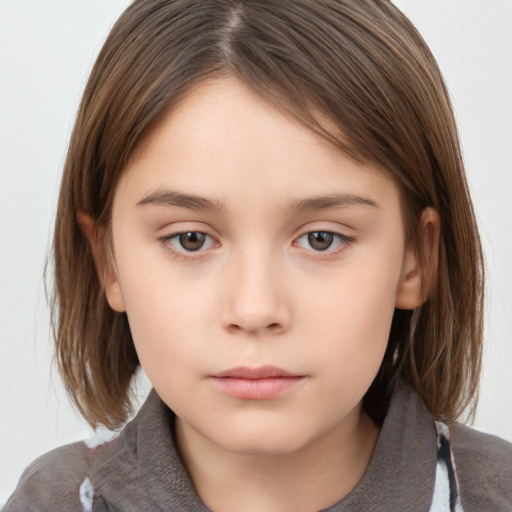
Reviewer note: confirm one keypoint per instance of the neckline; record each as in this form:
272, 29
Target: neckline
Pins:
400, 475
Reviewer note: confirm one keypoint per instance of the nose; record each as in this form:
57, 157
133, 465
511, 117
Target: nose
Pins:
256, 302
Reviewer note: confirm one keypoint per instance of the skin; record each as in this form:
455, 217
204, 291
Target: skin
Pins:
258, 293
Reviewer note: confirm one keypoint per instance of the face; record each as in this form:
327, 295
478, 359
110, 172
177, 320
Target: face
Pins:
259, 269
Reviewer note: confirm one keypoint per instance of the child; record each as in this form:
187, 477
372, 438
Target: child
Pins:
264, 206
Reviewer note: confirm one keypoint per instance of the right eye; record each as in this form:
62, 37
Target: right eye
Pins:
189, 241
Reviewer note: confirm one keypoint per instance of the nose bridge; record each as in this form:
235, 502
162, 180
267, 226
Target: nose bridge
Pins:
257, 298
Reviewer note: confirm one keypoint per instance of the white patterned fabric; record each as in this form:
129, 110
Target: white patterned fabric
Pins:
446, 489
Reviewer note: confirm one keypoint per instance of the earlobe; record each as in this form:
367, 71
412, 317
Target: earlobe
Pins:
105, 267
419, 270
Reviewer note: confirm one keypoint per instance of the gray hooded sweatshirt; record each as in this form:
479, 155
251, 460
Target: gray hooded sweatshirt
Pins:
418, 465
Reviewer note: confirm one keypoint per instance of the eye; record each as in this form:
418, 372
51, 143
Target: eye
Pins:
189, 241
323, 241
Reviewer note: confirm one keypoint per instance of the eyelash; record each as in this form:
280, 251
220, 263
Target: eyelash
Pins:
344, 241
183, 254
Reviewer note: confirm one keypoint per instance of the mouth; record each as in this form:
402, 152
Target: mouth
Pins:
263, 383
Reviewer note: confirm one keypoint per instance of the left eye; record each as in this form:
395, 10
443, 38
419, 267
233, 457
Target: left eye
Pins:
190, 241
322, 240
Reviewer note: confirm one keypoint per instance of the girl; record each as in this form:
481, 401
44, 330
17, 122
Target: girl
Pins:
264, 206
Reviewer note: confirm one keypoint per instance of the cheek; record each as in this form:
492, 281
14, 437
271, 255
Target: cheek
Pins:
167, 312
353, 315
166, 334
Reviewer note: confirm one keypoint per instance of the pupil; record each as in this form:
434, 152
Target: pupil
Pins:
320, 240
192, 241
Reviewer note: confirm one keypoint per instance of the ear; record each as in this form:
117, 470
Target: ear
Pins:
419, 271
105, 266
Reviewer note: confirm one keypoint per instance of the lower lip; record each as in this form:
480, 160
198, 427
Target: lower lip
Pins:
256, 389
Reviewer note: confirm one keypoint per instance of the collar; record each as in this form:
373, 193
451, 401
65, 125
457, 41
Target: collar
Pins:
401, 473
142, 470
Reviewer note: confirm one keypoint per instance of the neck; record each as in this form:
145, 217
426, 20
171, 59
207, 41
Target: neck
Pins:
311, 478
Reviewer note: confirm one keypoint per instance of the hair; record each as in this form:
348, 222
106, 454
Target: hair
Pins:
358, 74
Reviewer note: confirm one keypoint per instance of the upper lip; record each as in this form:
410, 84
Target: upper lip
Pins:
262, 372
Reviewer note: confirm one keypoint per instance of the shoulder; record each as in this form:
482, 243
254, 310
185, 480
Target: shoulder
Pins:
484, 468
55, 481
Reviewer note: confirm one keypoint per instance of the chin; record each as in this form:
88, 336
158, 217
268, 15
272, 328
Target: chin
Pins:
262, 443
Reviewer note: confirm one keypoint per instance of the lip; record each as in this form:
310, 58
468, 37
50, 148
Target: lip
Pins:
262, 372
263, 383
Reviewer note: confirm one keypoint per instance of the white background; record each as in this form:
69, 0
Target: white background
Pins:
47, 48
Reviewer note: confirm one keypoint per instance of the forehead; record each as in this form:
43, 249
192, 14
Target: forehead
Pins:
223, 140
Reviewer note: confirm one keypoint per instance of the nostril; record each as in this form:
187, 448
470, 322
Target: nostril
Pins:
270, 327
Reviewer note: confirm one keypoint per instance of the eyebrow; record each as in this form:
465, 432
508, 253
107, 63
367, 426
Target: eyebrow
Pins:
173, 198
193, 202
331, 201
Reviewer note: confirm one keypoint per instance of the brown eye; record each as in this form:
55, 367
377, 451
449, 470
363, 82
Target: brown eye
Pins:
192, 241
320, 240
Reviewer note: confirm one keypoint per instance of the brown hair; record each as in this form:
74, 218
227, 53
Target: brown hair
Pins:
360, 65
